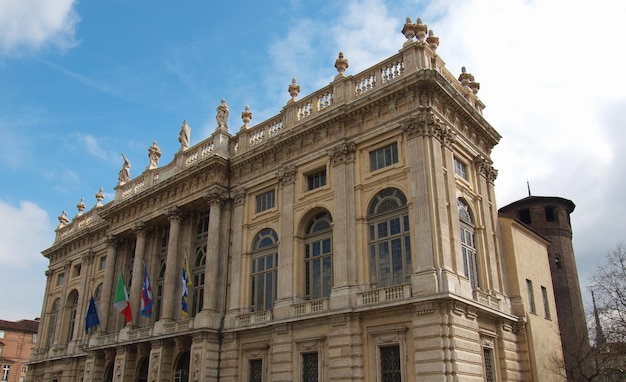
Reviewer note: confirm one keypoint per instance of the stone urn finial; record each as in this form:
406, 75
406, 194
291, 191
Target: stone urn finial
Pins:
246, 117
408, 30
294, 89
420, 29
99, 198
63, 219
432, 41
341, 64
81, 206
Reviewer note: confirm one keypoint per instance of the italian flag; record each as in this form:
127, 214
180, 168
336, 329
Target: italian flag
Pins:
121, 301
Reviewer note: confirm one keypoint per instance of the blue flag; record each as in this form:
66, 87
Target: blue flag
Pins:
146, 294
186, 279
91, 319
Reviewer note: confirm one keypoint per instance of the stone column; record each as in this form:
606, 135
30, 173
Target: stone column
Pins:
137, 281
342, 159
109, 281
286, 178
236, 291
86, 293
490, 271
172, 268
45, 309
432, 257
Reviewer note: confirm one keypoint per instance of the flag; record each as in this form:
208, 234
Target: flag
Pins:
121, 301
186, 284
146, 294
91, 319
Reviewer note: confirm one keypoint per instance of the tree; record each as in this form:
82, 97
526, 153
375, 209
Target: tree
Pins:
609, 289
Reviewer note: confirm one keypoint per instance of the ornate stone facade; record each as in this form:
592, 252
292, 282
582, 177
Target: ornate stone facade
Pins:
351, 236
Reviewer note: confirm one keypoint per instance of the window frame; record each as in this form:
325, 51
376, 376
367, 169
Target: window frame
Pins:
322, 239
380, 158
262, 251
460, 168
546, 303
389, 230
531, 297
262, 203
316, 179
469, 249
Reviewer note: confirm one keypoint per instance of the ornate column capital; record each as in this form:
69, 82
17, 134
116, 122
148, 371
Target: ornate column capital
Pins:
112, 241
486, 169
425, 123
216, 196
239, 196
174, 213
88, 257
342, 153
140, 228
287, 175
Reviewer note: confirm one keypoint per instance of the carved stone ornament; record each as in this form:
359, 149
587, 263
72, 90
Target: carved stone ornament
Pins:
239, 196
486, 168
216, 196
99, 198
246, 117
294, 89
433, 42
341, 64
80, 206
63, 219
287, 175
343, 153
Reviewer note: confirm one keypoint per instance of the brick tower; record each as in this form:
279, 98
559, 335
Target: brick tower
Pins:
550, 217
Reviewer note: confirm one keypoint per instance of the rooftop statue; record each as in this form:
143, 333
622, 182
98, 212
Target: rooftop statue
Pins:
183, 137
63, 219
99, 198
341, 64
81, 206
124, 175
294, 89
222, 115
154, 153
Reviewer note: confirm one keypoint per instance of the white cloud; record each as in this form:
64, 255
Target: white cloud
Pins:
93, 147
31, 24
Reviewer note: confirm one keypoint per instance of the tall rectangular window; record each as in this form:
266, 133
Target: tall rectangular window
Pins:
531, 296
256, 370
390, 364
5, 372
546, 305
460, 168
488, 362
310, 372
265, 201
384, 156
61, 279
316, 180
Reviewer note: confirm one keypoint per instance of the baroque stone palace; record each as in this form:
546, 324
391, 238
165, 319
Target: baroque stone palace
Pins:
352, 237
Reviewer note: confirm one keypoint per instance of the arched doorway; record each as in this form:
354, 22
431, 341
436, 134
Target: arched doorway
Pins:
108, 374
142, 372
181, 370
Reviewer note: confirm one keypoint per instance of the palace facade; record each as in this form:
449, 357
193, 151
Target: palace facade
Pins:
354, 236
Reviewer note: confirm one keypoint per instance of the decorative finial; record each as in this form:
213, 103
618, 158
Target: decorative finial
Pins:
467, 81
124, 175
154, 153
341, 64
183, 137
420, 30
294, 89
222, 115
408, 30
432, 41
246, 117
80, 206
99, 198
63, 219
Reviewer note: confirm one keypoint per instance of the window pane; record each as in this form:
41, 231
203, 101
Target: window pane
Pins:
394, 226
390, 364
309, 367
256, 370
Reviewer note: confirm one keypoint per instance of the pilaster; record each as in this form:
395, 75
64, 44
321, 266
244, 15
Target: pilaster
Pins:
107, 287
137, 281
284, 298
172, 267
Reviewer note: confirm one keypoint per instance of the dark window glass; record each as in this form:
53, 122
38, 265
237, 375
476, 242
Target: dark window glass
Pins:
256, 370
310, 364
390, 364
383, 157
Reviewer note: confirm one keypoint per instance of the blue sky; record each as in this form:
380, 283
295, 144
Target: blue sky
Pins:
83, 82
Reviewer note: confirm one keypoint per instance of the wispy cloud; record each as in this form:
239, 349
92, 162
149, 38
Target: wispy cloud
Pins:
92, 146
28, 25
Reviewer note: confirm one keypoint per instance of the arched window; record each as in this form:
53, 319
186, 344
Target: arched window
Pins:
264, 270
158, 299
468, 243
71, 308
318, 257
389, 239
198, 265
160, 281
52, 320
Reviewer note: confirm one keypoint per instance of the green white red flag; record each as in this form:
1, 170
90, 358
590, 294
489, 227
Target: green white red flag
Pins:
121, 301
